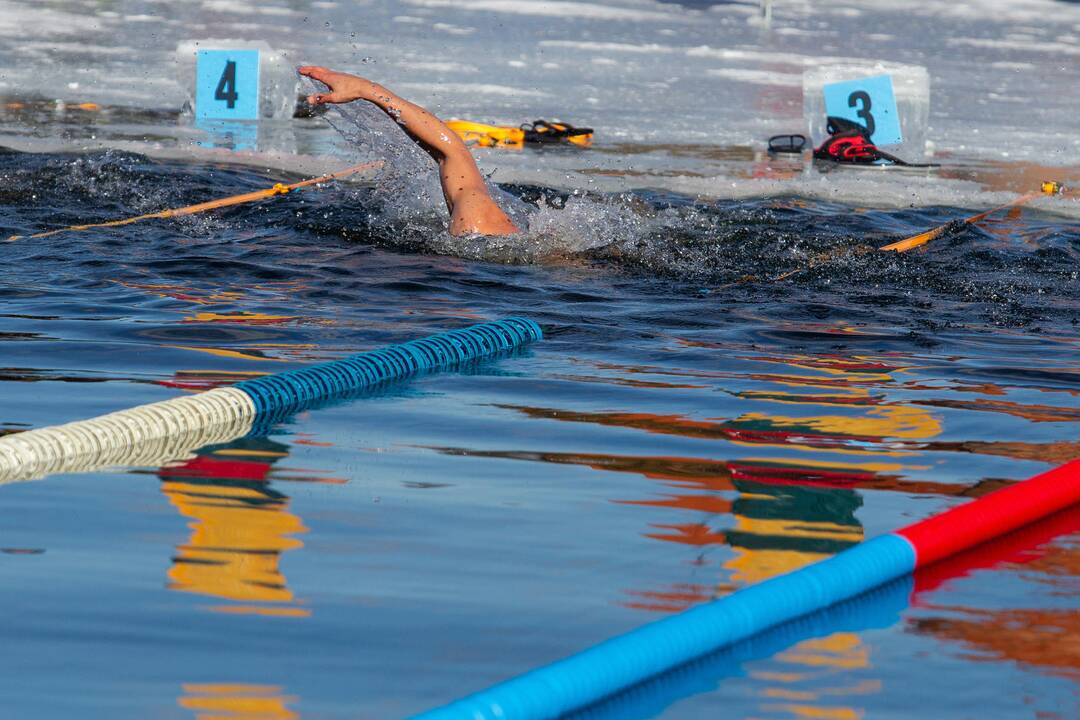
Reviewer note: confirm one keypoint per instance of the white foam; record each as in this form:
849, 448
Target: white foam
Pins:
760, 77
453, 29
472, 88
554, 9
1014, 44
437, 67
1010, 65
647, 49
228, 6
763, 56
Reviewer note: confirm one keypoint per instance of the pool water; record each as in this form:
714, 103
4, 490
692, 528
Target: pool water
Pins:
733, 382
672, 439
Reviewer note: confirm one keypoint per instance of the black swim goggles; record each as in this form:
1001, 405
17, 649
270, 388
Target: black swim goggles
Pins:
787, 143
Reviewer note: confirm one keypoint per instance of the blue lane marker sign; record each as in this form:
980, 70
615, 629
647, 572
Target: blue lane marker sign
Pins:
227, 85
869, 102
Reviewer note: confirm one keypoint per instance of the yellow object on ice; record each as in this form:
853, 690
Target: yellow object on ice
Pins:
537, 132
483, 135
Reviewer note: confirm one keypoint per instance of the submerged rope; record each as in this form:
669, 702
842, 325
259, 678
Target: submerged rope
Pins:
278, 189
167, 430
1048, 187
921, 239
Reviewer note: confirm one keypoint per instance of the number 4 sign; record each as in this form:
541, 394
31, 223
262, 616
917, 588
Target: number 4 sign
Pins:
869, 102
227, 85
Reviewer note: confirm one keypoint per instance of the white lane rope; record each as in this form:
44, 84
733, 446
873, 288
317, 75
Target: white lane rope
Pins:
151, 434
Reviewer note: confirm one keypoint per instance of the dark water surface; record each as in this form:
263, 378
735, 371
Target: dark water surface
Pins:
690, 425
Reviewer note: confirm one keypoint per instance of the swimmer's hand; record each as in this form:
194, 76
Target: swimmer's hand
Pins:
343, 86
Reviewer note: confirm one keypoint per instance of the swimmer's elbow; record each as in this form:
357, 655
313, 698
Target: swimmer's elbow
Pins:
464, 224
477, 214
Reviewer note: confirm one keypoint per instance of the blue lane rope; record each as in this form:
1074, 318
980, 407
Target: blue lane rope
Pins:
165, 430
603, 670
288, 392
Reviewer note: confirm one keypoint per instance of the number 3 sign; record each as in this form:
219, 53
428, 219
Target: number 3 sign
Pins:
227, 85
869, 102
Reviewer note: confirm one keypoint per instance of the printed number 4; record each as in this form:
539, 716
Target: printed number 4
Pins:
855, 99
226, 87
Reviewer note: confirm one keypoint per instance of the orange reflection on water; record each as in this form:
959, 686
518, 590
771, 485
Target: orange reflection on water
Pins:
240, 529
864, 422
279, 289
226, 314
829, 433
841, 434
678, 598
252, 353
199, 380
237, 701
631, 382
1045, 639
1052, 453
1034, 413
185, 293
885, 380
860, 423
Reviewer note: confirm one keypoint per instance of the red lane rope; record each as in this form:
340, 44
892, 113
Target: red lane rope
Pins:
995, 514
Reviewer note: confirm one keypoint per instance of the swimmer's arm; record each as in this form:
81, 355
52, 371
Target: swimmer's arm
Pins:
471, 207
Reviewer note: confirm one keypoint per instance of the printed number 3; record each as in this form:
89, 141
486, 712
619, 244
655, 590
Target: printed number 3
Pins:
859, 97
226, 87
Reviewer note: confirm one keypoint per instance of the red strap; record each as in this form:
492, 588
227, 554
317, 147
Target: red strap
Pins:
852, 148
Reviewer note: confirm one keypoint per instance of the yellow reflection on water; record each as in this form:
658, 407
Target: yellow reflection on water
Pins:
236, 701
240, 528
896, 421
255, 353
812, 679
243, 317
780, 528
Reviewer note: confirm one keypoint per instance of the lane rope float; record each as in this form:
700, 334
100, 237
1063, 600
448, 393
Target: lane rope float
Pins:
168, 430
278, 189
622, 662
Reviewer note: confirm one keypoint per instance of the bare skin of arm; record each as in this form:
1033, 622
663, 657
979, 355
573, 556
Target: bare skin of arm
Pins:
472, 210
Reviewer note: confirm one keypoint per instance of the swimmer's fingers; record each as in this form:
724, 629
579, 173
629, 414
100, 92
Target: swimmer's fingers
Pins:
343, 87
323, 98
316, 72
321, 74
